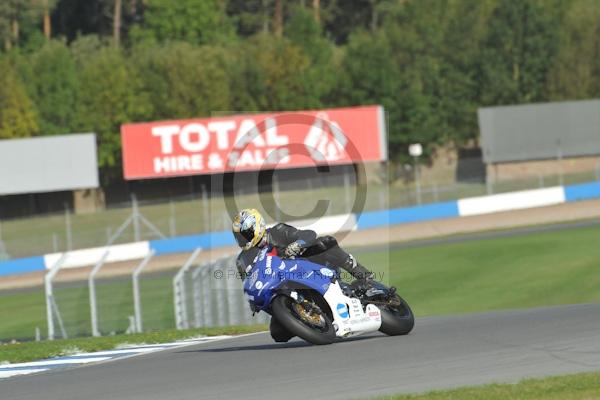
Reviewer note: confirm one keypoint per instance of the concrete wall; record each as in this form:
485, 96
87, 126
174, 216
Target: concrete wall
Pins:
569, 166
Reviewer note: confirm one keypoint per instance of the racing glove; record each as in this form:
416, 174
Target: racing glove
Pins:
294, 249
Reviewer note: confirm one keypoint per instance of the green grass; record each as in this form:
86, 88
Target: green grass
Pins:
569, 387
22, 311
524, 271
532, 270
28, 351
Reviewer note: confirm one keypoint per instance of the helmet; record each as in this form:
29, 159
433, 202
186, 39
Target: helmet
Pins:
249, 228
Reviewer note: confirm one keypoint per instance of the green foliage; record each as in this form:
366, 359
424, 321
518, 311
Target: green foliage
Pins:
182, 80
17, 112
53, 86
520, 48
431, 63
576, 72
109, 94
321, 75
197, 22
276, 74
369, 75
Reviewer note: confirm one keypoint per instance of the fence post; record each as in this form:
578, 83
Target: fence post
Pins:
137, 303
234, 294
207, 305
179, 293
206, 223
172, 219
221, 301
50, 294
197, 290
276, 202
3, 251
92, 289
348, 200
55, 242
68, 232
136, 219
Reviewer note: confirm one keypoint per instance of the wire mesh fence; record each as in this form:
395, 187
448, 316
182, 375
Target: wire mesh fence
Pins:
207, 212
212, 296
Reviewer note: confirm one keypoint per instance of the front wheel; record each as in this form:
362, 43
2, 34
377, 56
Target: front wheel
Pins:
305, 320
396, 317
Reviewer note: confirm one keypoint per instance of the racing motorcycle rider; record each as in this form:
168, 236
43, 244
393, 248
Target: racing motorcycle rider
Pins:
285, 241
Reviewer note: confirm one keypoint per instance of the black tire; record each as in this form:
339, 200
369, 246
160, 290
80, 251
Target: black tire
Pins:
278, 332
281, 309
397, 320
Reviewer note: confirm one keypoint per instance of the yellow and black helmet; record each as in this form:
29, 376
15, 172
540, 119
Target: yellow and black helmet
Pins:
249, 228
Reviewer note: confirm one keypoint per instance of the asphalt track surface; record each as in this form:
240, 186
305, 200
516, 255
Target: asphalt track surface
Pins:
441, 352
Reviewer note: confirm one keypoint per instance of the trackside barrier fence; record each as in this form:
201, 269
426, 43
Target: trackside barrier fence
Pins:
203, 295
212, 296
51, 307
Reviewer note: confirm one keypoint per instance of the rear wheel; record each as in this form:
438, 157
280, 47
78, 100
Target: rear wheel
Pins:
396, 317
303, 319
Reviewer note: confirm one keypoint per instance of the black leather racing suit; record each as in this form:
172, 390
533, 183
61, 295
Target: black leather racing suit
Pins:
322, 250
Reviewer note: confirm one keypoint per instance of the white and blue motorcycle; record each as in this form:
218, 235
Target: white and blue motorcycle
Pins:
310, 302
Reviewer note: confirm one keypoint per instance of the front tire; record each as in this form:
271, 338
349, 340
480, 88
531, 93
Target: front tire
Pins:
397, 319
284, 309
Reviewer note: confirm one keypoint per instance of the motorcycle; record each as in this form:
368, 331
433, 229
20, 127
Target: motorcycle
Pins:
311, 302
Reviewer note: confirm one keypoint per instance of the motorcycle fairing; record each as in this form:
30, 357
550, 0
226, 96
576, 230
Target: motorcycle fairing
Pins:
270, 272
349, 318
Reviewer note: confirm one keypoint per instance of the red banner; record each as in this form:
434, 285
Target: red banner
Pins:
253, 142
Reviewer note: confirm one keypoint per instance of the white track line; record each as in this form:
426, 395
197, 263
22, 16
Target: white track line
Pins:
8, 374
10, 370
120, 351
57, 361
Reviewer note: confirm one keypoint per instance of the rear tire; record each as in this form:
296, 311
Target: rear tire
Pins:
281, 307
397, 320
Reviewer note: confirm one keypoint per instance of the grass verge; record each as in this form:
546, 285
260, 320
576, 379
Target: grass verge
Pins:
29, 351
525, 271
568, 387
530, 270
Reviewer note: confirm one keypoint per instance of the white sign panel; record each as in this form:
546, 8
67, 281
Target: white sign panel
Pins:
48, 164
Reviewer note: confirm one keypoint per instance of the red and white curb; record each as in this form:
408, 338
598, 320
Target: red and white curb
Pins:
10, 370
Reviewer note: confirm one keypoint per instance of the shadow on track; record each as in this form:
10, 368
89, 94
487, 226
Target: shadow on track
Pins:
295, 343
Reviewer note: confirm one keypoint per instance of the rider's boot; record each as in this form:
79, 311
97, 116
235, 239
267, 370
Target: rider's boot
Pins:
357, 270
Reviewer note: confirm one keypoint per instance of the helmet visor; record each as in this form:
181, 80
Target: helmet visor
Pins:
243, 238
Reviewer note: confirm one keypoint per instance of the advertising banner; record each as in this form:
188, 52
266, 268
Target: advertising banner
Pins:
48, 164
253, 142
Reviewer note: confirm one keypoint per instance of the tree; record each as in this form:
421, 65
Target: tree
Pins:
10, 14
519, 50
369, 75
17, 112
182, 80
109, 94
276, 76
52, 85
192, 21
321, 76
576, 73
